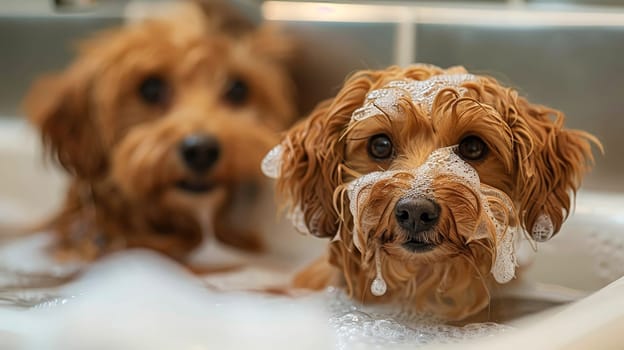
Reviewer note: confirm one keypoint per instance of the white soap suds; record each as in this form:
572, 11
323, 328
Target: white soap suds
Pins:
543, 229
422, 92
504, 267
139, 300
375, 327
271, 167
378, 287
271, 163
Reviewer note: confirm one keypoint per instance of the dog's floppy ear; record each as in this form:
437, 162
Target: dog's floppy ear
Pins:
309, 164
312, 153
551, 163
60, 107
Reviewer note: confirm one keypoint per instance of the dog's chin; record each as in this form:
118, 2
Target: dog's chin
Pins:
418, 246
194, 195
195, 186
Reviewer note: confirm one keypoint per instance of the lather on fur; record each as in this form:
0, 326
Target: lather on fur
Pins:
423, 178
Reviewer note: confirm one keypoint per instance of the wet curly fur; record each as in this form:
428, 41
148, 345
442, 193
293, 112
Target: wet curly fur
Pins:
115, 120
534, 165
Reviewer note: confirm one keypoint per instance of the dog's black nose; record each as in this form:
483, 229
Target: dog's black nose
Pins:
416, 214
199, 152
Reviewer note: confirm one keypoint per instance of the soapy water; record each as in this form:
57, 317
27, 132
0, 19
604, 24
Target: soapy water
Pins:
363, 327
139, 300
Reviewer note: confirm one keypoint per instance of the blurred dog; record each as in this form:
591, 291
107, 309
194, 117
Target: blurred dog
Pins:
159, 124
424, 178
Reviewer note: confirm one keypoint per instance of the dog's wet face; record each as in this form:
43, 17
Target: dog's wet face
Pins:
425, 181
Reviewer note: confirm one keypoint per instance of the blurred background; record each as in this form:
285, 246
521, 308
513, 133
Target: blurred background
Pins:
563, 53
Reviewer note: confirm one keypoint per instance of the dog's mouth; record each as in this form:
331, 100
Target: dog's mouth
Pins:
416, 245
195, 186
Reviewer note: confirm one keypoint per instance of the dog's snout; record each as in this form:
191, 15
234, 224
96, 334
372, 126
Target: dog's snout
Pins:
416, 214
199, 152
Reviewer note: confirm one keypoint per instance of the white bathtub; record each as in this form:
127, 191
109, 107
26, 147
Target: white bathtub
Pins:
29, 189
583, 262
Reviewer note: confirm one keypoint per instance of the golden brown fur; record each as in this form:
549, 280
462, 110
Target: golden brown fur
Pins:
534, 166
122, 151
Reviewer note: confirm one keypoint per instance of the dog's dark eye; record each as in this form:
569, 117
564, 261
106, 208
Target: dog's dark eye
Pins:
380, 147
237, 92
154, 90
472, 148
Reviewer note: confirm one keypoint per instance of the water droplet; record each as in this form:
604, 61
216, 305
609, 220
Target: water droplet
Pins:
542, 229
378, 287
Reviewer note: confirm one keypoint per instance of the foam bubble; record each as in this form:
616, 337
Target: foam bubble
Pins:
504, 267
360, 188
138, 300
271, 163
378, 287
382, 101
542, 229
375, 326
421, 92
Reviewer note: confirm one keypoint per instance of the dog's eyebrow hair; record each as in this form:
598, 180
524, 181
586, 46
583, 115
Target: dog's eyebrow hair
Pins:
384, 113
356, 138
353, 124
